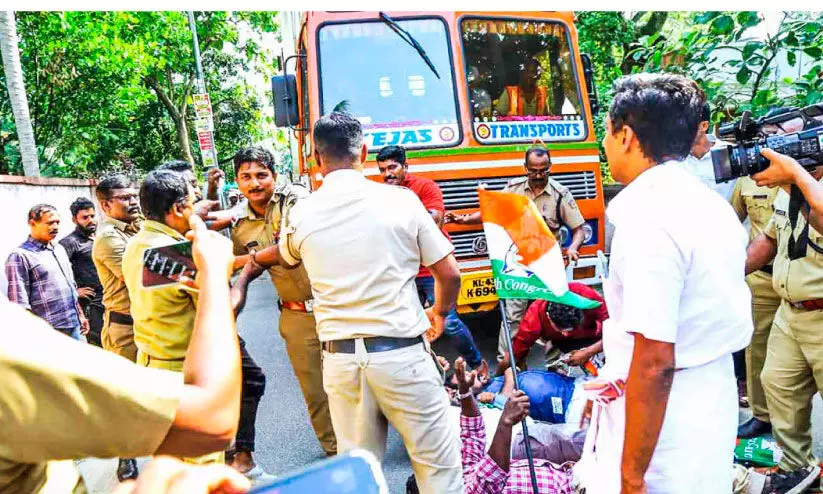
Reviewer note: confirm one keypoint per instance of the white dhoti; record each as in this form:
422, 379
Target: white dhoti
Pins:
694, 453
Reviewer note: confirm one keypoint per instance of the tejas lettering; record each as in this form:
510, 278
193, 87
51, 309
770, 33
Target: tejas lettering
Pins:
401, 137
531, 131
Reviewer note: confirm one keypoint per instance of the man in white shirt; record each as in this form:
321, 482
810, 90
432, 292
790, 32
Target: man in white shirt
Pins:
362, 244
678, 302
699, 161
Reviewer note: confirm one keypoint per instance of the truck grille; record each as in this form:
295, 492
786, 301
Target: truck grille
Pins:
469, 244
462, 194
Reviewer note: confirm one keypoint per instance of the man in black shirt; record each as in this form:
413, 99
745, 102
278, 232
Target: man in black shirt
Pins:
78, 246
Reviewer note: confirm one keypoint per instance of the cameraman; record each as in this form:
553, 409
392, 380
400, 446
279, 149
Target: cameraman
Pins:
793, 368
785, 171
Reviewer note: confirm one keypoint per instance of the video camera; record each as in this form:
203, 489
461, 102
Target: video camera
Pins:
744, 158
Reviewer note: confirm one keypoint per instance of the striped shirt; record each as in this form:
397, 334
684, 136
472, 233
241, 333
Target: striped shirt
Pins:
41, 280
482, 475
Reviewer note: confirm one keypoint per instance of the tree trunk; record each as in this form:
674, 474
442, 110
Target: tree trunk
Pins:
17, 93
183, 140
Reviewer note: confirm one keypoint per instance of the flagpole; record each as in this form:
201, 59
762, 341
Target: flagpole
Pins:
513, 366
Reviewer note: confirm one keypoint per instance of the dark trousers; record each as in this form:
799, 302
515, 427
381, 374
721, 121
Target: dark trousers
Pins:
740, 365
94, 313
254, 385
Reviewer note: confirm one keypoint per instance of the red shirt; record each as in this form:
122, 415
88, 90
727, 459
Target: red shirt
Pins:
432, 198
536, 322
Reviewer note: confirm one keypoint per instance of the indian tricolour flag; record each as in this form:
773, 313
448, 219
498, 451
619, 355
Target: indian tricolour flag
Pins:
525, 257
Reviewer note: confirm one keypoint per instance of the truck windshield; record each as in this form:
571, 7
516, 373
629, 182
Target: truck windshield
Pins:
522, 81
369, 71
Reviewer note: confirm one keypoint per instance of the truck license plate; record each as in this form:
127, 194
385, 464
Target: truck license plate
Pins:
477, 288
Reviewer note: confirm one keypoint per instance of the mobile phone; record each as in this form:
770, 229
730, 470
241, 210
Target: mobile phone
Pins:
354, 472
165, 265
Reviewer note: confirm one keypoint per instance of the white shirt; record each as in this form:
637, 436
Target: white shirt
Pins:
676, 272
362, 244
703, 169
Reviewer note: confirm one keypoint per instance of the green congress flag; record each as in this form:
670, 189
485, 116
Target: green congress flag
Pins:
525, 257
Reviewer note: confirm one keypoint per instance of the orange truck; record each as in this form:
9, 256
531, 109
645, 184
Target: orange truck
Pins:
446, 86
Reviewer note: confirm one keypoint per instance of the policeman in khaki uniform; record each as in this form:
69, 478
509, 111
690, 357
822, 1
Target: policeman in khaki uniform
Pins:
257, 227
757, 204
119, 201
164, 317
123, 220
557, 206
793, 371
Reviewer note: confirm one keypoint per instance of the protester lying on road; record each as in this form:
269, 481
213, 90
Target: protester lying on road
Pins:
495, 472
549, 393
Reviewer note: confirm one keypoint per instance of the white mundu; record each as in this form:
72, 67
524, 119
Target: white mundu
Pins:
676, 275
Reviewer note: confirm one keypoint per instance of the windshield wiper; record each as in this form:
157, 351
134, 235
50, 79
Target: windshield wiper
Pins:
408, 38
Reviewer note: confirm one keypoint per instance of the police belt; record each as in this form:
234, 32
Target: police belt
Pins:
808, 304
373, 344
120, 318
305, 306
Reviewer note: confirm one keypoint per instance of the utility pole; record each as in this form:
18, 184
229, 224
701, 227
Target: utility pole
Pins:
203, 121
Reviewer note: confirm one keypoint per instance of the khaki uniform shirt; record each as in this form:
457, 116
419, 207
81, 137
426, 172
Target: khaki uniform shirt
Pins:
798, 280
547, 203
291, 284
164, 316
61, 399
756, 204
107, 254
362, 243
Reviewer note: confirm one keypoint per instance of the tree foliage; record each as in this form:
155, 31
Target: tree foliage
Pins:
112, 90
733, 55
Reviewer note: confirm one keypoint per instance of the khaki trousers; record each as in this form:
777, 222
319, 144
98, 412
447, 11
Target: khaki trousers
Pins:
791, 376
515, 310
402, 387
177, 366
299, 332
118, 338
764, 306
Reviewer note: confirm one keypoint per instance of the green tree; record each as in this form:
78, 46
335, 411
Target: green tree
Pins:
112, 89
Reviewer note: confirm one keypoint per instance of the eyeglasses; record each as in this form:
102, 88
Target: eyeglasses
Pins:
536, 173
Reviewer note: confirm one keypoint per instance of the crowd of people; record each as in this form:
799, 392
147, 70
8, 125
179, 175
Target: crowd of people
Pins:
637, 395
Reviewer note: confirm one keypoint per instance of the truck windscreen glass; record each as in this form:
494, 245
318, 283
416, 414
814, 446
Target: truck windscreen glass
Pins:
522, 81
369, 71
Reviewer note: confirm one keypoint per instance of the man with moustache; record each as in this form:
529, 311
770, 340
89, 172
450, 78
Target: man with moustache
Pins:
118, 199
40, 275
678, 303
256, 227
78, 245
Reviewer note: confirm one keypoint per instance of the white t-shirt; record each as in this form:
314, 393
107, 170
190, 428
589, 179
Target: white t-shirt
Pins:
703, 169
362, 244
676, 272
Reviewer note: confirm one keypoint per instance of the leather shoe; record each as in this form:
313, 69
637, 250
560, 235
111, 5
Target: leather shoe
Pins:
753, 428
126, 469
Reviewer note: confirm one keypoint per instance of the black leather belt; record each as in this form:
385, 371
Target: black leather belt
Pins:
373, 345
768, 269
120, 318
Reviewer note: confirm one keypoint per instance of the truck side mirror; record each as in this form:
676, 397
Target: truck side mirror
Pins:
284, 93
588, 74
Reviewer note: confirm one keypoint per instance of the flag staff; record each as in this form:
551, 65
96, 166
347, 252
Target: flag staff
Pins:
527, 441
